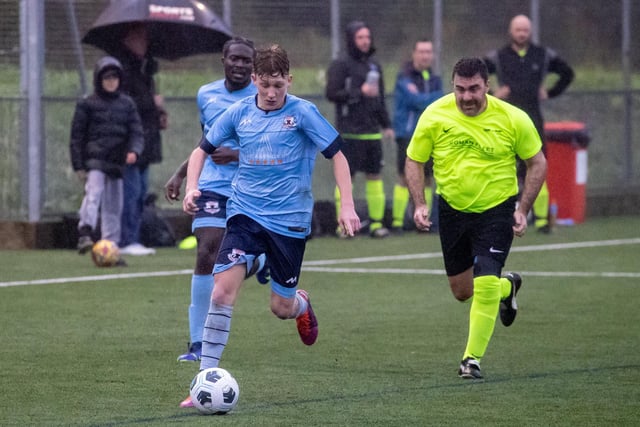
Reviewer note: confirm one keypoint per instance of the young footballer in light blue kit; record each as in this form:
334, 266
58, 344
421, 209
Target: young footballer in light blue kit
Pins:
215, 181
271, 205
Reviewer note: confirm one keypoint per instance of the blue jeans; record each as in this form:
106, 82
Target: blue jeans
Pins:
136, 183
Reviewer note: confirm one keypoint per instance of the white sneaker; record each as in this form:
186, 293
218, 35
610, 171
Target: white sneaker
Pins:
136, 249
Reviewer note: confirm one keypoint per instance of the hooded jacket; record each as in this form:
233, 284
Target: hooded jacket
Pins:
355, 113
105, 127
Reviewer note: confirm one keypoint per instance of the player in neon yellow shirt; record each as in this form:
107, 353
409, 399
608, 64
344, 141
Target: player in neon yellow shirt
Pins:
473, 139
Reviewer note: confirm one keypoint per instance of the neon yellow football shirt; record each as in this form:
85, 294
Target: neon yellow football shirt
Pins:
474, 158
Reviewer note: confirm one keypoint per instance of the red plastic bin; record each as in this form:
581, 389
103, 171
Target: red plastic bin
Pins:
567, 167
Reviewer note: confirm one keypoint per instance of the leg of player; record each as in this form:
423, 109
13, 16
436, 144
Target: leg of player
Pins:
259, 267
297, 307
482, 320
208, 243
511, 283
218, 323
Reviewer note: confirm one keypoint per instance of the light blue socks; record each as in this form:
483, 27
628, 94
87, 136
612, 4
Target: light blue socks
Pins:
201, 288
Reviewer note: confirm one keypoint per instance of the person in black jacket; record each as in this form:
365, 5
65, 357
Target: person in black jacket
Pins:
139, 70
106, 134
356, 85
521, 68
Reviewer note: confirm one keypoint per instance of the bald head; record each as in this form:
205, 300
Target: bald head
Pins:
520, 31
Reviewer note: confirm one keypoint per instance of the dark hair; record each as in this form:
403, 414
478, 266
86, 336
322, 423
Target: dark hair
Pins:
272, 61
237, 40
469, 67
422, 40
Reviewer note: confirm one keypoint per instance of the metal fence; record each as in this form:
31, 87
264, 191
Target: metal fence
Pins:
304, 28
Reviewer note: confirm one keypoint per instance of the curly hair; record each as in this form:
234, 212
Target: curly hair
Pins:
237, 40
469, 67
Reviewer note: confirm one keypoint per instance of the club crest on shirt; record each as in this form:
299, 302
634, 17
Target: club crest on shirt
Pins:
289, 122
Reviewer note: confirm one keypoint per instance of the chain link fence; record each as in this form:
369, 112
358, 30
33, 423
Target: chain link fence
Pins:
586, 33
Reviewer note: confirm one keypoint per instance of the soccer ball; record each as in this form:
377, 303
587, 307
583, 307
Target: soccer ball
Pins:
214, 391
105, 253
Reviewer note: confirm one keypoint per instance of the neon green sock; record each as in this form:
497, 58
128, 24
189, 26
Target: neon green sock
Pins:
505, 288
374, 193
400, 202
541, 207
482, 315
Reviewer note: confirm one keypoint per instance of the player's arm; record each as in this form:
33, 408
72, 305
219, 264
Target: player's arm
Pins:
536, 174
172, 187
348, 218
196, 162
225, 155
414, 174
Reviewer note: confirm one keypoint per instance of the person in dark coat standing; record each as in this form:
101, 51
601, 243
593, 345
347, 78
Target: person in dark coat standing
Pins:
355, 84
139, 69
106, 135
522, 67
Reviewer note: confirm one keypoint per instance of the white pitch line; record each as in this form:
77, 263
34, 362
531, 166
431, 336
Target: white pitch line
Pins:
95, 278
374, 270
442, 272
577, 245
315, 266
364, 260
531, 248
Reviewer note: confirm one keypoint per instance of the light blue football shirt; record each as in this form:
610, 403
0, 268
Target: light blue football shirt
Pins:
277, 156
213, 99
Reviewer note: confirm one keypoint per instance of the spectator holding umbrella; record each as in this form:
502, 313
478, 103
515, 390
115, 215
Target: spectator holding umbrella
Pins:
137, 33
139, 68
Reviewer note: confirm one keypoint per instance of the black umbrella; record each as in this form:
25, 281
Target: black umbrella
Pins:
176, 28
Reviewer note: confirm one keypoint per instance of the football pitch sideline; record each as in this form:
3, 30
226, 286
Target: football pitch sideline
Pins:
98, 347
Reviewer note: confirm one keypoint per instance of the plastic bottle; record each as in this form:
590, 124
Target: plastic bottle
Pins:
372, 79
373, 76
